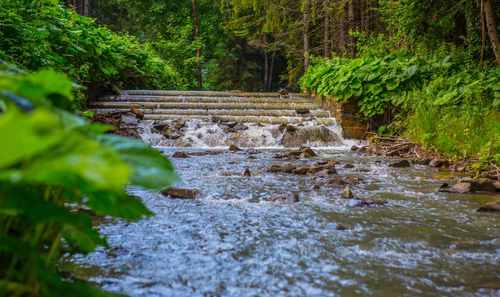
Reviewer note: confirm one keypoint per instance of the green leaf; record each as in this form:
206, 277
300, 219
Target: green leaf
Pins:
25, 135
150, 168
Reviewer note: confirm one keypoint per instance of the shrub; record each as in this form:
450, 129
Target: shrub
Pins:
52, 164
40, 34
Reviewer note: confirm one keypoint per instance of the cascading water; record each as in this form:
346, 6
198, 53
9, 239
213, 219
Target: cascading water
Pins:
209, 134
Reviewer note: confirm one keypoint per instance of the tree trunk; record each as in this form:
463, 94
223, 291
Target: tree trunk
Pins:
307, 7
326, 36
271, 72
196, 35
266, 70
351, 21
489, 16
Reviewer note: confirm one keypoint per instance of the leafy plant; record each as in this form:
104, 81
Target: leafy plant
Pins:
43, 34
53, 164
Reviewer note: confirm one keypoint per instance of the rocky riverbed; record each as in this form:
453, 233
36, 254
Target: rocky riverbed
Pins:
288, 222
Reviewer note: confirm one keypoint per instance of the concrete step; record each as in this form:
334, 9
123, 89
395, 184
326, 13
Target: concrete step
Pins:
195, 105
209, 93
240, 119
223, 112
201, 99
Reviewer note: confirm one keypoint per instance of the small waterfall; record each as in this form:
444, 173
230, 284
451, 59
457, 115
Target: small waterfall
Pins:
198, 133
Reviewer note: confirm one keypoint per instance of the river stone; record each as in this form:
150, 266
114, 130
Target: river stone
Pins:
285, 198
304, 135
370, 202
490, 207
400, 164
128, 120
234, 148
247, 172
138, 112
179, 193
469, 185
180, 155
347, 193
459, 188
438, 163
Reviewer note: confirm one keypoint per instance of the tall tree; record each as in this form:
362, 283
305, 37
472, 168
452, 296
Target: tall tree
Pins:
196, 36
491, 27
306, 20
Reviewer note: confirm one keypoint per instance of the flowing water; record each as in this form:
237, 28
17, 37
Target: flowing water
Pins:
233, 241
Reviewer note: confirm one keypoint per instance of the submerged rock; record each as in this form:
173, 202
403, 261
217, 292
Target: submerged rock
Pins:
285, 198
370, 202
179, 193
400, 164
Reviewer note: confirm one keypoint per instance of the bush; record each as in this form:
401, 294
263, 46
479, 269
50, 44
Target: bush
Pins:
52, 165
40, 34
443, 102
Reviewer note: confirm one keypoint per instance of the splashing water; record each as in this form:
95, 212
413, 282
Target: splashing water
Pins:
209, 134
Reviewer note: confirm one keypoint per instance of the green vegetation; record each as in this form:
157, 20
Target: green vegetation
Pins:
53, 166
41, 34
439, 92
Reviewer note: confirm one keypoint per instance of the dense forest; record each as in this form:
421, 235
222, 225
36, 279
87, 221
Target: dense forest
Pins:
425, 70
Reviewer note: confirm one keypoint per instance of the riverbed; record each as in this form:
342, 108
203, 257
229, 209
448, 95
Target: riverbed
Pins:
234, 241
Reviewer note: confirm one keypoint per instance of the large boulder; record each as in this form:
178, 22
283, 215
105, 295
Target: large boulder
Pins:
299, 136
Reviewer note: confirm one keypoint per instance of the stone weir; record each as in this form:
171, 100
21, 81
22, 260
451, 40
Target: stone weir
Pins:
241, 107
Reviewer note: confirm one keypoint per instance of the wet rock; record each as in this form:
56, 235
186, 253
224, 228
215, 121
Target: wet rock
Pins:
128, 120
370, 202
304, 135
179, 193
490, 207
180, 155
459, 188
347, 193
328, 167
353, 180
205, 153
400, 164
252, 157
234, 148
484, 185
469, 185
337, 181
247, 172
307, 153
354, 148
285, 198
302, 153
341, 227
138, 112
421, 162
303, 111
303, 170
348, 166
437, 163
240, 127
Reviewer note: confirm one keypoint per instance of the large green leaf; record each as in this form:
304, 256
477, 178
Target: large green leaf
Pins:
150, 168
25, 135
